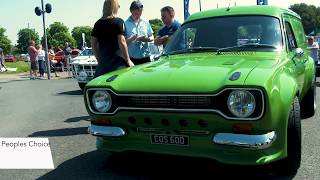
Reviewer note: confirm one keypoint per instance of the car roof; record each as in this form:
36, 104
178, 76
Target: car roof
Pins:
242, 10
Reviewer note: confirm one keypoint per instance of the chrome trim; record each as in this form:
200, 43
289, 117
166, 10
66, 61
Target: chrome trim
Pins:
194, 132
176, 110
244, 140
151, 130
107, 131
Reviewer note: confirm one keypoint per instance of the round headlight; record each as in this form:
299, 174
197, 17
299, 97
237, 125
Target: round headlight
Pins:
241, 103
101, 101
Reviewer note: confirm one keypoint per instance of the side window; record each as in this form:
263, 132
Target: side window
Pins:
291, 41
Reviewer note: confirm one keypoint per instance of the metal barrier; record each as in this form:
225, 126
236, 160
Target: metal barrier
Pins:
68, 67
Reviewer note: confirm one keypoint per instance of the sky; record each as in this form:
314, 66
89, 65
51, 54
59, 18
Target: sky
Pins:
18, 14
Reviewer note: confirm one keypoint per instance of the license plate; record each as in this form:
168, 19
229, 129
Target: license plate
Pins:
170, 139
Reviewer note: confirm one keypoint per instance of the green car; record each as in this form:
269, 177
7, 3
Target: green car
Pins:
230, 86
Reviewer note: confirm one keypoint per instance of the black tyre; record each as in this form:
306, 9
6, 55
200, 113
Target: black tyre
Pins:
308, 103
82, 85
292, 162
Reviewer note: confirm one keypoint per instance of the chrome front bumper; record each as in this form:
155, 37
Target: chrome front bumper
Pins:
106, 131
247, 141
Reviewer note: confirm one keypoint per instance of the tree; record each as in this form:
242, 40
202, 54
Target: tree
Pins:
59, 40
5, 42
24, 35
156, 24
77, 35
58, 35
309, 14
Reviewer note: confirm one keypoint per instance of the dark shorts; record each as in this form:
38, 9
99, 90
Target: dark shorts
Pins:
34, 65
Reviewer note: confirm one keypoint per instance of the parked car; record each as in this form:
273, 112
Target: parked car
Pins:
84, 67
74, 53
10, 58
60, 57
25, 57
209, 97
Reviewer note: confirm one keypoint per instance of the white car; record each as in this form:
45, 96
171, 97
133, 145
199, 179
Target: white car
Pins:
84, 67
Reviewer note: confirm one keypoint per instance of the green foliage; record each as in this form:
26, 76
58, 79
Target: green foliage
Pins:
59, 40
57, 27
58, 35
24, 35
156, 24
310, 16
77, 35
5, 43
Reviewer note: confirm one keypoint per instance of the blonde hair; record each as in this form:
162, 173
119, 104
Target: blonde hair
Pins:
110, 8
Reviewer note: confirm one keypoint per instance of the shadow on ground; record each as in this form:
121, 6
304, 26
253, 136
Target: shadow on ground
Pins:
100, 165
60, 132
76, 119
71, 93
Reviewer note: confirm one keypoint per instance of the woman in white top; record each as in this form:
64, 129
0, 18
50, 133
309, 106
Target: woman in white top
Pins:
40, 57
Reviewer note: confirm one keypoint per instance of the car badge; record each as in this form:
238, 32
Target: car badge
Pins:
113, 77
235, 76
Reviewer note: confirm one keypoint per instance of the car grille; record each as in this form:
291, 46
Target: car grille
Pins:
168, 101
89, 69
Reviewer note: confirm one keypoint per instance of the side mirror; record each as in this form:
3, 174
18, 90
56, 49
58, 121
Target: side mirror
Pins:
298, 52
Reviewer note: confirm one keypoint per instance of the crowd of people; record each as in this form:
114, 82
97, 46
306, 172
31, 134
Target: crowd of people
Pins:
38, 63
118, 44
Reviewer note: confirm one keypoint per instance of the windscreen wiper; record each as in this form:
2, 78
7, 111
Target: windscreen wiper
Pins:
193, 50
243, 46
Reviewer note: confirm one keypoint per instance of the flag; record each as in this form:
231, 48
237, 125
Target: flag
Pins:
262, 2
186, 9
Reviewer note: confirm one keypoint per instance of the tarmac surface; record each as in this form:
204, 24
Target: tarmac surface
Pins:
26, 76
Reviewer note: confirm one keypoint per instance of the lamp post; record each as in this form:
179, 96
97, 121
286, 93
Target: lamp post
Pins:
42, 12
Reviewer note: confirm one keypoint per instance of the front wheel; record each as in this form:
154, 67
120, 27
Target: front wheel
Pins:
292, 162
82, 85
308, 103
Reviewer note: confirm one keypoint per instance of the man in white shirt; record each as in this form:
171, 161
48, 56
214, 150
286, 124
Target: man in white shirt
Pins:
313, 47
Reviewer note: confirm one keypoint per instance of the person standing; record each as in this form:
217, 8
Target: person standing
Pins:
40, 58
108, 42
66, 56
138, 35
170, 26
52, 61
2, 60
313, 47
33, 53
